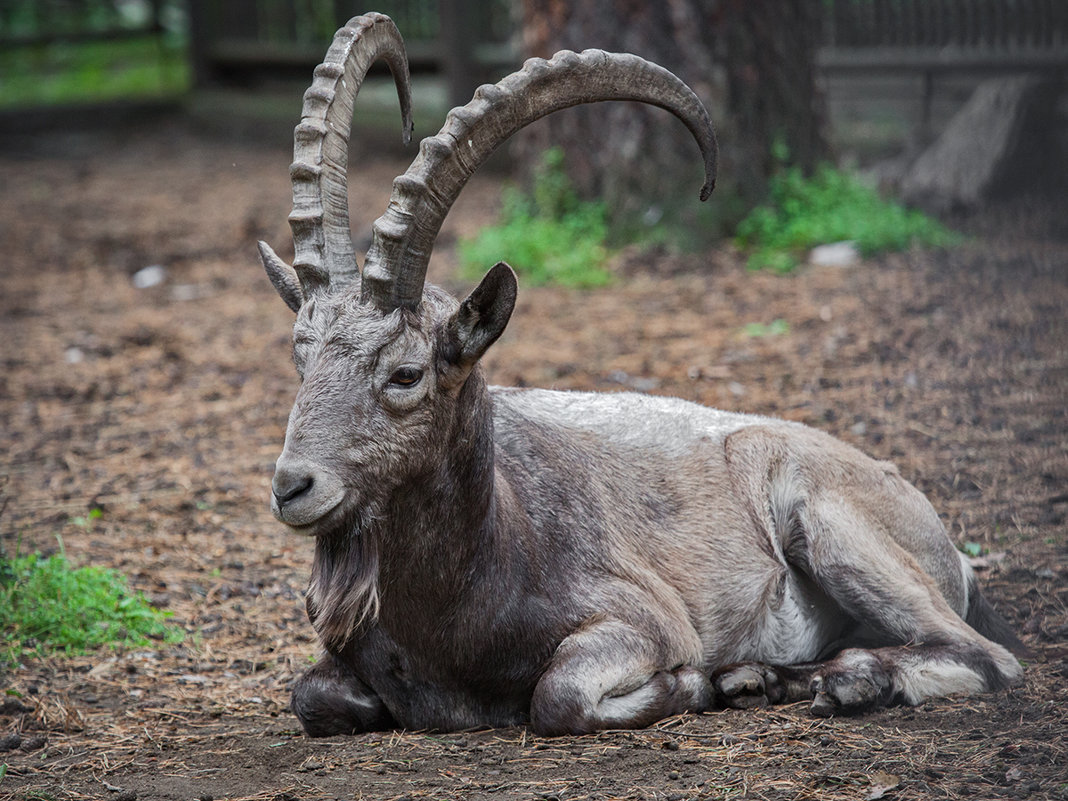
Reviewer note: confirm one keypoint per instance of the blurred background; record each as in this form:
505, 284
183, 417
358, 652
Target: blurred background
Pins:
867, 83
146, 373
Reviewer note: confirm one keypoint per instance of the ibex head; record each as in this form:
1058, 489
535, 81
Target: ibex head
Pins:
384, 358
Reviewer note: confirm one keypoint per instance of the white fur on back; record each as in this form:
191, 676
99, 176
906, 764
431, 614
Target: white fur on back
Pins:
646, 421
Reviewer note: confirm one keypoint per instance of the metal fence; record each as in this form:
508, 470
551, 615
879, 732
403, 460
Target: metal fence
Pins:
240, 38
945, 34
469, 40
941, 48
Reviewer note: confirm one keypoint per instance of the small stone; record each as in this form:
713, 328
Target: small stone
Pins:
9, 742
150, 276
13, 706
671, 745
127, 795
836, 254
34, 743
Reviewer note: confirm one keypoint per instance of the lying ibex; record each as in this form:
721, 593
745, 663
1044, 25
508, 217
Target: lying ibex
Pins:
489, 556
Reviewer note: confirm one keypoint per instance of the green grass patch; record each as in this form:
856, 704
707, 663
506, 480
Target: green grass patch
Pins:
548, 236
775, 328
91, 72
49, 606
831, 206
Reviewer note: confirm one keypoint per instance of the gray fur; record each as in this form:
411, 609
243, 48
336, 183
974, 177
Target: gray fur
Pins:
577, 560
492, 556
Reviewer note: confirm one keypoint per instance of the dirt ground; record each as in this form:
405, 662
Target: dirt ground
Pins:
165, 408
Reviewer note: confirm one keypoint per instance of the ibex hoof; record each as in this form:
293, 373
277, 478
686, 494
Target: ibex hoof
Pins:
747, 686
852, 683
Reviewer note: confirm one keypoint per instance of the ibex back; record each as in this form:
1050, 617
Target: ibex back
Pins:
489, 556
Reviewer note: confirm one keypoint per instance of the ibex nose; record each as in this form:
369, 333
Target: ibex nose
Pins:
289, 484
303, 492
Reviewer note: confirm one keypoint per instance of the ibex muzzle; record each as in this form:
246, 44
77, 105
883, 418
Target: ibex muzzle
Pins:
302, 494
489, 556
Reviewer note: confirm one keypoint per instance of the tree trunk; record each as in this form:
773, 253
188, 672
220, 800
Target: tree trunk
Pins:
753, 57
774, 102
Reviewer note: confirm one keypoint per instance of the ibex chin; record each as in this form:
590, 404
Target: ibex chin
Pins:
575, 561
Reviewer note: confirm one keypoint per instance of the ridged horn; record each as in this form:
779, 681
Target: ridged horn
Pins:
396, 263
320, 218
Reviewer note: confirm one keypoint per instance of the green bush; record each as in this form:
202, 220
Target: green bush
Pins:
46, 605
830, 206
88, 72
548, 236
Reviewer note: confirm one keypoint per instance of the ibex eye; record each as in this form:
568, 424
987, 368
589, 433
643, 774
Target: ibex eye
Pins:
406, 376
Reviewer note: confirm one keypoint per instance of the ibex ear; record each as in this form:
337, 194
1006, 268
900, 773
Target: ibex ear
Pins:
482, 316
282, 276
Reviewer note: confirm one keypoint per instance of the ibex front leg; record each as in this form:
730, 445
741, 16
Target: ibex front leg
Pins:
331, 699
610, 675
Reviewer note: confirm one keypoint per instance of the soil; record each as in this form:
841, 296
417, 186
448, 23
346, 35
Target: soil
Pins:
165, 407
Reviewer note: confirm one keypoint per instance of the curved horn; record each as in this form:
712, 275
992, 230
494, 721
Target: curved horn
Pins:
404, 236
320, 217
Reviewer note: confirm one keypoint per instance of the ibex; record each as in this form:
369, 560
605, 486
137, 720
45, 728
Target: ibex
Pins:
574, 561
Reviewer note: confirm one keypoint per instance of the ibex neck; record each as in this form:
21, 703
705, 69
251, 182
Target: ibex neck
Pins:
418, 550
438, 527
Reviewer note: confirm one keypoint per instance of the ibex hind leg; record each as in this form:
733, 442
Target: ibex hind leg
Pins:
609, 675
923, 648
858, 679
331, 699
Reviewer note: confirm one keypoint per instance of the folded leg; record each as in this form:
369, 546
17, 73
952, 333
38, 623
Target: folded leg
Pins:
331, 699
923, 647
609, 675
